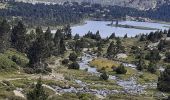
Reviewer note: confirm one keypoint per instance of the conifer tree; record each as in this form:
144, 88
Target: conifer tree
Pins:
112, 36
76, 37
39, 31
164, 80
59, 43
98, 37
67, 32
18, 37
38, 93
4, 36
152, 67
111, 51
141, 64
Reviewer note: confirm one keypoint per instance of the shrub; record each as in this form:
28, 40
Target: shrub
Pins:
152, 68
167, 59
6, 64
121, 69
29, 70
104, 76
74, 65
65, 62
86, 96
16, 59
73, 57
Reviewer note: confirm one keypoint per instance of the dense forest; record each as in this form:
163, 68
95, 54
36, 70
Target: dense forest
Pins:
41, 14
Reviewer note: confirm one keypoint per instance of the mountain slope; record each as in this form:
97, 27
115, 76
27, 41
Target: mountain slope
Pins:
139, 4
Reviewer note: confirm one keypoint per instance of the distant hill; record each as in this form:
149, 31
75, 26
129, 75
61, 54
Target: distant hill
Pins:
139, 4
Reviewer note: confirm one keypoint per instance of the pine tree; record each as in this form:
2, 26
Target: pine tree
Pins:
39, 31
168, 34
98, 37
111, 51
79, 44
153, 56
38, 93
142, 38
49, 40
38, 51
58, 35
62, 46
18, 37
152, 67
119, 46
4, 36
161, 45
112, 36
76, 37
126, 36
67, 31
167, 55
48, 34
99, 50
59, 43
164, 80
141, 64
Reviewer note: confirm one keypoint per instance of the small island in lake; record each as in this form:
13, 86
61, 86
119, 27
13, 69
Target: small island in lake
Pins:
130, 26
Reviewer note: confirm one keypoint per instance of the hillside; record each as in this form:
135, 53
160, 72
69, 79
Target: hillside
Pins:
139, 4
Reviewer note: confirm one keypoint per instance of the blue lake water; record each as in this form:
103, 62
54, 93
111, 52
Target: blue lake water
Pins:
106, 31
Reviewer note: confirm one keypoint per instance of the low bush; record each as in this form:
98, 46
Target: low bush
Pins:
121, 69
74, 65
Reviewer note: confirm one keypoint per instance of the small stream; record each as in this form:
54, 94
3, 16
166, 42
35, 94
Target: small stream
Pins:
129, 86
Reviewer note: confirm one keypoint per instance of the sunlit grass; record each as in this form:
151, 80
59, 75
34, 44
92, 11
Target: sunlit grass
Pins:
101, 63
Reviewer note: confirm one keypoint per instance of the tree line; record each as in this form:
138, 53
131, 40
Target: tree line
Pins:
38, 45
51, 15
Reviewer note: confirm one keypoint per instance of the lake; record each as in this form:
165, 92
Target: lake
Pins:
106, 30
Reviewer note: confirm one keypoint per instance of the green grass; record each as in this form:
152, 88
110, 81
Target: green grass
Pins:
147, 77
128, 97
20, 56
6, 62
74, 96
